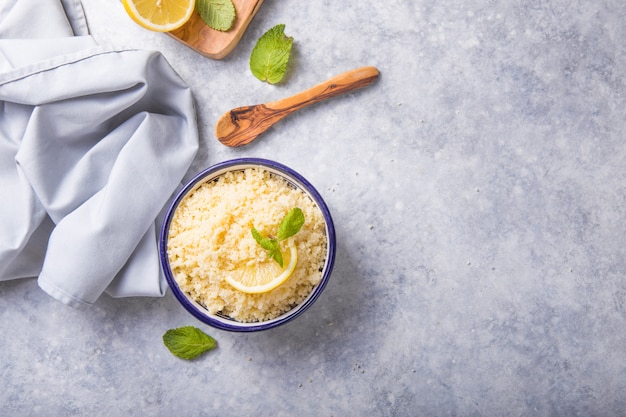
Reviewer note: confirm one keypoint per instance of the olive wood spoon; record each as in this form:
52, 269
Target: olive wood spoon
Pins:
242, 125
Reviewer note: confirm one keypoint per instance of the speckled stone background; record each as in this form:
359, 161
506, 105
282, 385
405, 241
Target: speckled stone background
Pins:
478, 191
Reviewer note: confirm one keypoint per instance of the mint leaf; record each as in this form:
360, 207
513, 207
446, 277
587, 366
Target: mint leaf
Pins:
265, 242
217, 14
277, 256
270, 55
291, 224
270, 245
188, 342
258, 237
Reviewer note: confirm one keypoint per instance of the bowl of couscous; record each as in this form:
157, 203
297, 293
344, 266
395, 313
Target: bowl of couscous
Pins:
247, 245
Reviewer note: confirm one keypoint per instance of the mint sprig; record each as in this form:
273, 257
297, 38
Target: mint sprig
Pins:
270, 245
217, 14
289, 226
269, 58
188, 342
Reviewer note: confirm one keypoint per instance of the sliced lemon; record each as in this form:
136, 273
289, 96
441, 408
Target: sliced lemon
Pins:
266, 275
160, 15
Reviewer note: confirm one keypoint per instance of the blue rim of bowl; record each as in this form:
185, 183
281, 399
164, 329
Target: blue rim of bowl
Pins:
211, 173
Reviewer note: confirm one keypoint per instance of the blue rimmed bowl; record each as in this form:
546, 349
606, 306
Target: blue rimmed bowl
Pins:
212, 173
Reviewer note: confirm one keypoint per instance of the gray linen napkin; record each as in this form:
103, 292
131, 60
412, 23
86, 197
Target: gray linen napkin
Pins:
93, 142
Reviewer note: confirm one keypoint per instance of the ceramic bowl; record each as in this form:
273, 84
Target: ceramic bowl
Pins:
210, 174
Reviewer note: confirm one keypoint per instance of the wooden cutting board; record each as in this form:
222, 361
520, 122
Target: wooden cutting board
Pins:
213, 43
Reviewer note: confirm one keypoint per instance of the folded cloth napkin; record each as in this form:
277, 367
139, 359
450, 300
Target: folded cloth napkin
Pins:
93, 142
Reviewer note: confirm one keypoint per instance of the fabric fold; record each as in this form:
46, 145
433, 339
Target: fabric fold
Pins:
93, 142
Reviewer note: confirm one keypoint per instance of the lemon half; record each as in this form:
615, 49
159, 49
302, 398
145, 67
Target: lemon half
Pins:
160, 15
266, 275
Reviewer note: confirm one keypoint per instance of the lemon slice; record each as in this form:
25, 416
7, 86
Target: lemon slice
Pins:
160, 15
266, 275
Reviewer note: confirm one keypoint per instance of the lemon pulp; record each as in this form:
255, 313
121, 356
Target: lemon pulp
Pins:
266, 275
160, 15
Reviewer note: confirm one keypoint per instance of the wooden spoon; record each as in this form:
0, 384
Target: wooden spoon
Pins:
242, 125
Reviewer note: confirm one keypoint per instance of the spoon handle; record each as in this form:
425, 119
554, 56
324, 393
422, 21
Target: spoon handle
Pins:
340, 84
